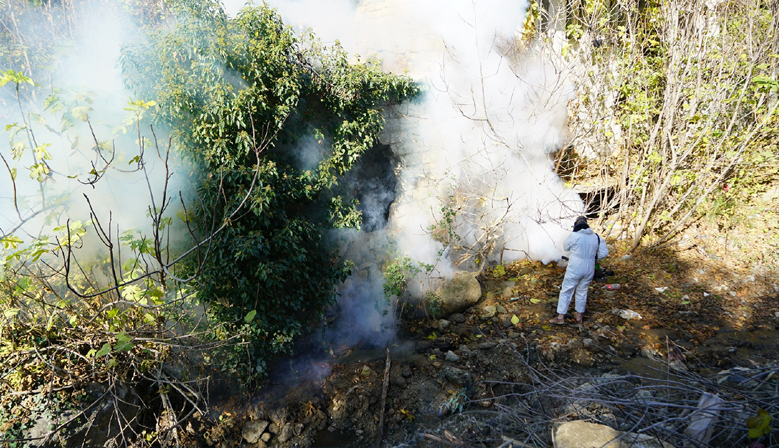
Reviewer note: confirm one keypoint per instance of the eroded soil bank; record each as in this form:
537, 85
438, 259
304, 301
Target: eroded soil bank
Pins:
501, 370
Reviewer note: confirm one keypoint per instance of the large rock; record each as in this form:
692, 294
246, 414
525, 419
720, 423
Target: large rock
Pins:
580, 434
459, 293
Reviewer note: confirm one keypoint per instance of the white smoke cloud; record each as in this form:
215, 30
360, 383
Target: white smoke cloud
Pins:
486, 120
483, 132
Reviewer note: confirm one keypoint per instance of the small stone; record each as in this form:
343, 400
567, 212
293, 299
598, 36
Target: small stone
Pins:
366, 371
648, 352
252, 431
608, 377
287, 431
501, 309
457, 318
420, 362
398, 380
455, 375
461, 329
644, 393
451, 357
424, 345
443, 324
488, 311
279, 417
265, 437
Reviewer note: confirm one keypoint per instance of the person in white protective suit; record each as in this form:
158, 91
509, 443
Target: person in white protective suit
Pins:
585, 247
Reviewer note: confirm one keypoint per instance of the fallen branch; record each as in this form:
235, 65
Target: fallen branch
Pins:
384, 397
508, 442
439, 440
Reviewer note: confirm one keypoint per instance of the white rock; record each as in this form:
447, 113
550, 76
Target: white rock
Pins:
629, 314
580, 434
252, 431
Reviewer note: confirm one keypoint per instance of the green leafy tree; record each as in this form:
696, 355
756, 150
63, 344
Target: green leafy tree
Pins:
240, 96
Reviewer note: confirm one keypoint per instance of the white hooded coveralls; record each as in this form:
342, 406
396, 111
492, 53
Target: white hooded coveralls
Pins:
583, 246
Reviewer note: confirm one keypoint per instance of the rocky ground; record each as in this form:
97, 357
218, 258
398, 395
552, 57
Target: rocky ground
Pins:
498, 374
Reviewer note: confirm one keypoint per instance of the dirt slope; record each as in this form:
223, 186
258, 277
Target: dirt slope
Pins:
501, 370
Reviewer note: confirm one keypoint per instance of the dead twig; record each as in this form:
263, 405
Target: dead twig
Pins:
383, 403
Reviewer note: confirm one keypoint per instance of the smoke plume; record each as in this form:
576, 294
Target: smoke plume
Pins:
479, 142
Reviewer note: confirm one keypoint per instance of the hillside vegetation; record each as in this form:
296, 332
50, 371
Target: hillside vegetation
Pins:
238, 137
227, 272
